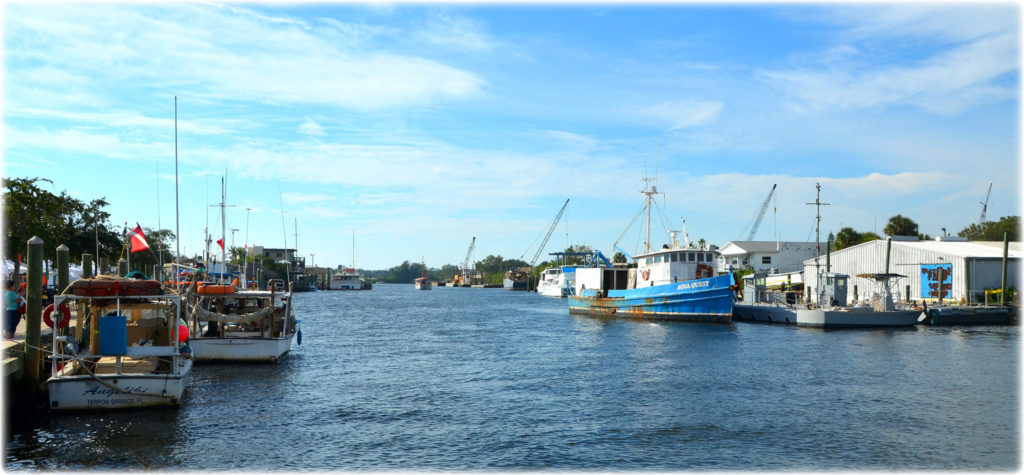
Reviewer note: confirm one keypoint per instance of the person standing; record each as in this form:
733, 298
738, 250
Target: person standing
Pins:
11, 315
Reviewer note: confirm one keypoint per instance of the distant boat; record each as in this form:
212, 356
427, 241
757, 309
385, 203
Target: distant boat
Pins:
556, 281
132, 353
348, 279
672, 283
762, 305
516, 279
422, 282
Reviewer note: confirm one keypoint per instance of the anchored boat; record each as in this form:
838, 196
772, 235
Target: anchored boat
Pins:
228, 324
672, 283
422, 282
130, 351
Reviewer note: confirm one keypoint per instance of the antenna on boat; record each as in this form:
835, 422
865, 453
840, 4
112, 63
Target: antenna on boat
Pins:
284, 233
817, 239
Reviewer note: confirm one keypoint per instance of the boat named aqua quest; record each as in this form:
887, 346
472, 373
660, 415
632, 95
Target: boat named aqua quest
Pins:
668, 284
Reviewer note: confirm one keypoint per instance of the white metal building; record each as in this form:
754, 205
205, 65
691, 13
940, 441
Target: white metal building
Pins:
968, 268
766, 256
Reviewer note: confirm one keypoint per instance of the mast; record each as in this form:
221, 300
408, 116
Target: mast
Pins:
223, 226
817, 239
177, 221
245, 262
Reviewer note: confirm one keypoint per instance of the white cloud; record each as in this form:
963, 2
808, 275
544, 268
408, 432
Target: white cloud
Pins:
683, 114
295, 198
311, 127
249, 56
454, 31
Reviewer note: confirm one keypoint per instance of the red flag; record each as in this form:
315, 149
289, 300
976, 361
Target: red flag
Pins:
221, 243
138, 239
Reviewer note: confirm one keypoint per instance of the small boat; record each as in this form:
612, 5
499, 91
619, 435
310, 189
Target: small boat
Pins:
556, 281
130, 351
348, 279
241, 325
762, 305
422, 282
879, 311
516, 279
671, 283
968, 315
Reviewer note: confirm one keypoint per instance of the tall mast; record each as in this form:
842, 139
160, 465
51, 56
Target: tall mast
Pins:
177, 221
353, 249
223, 225
817, 238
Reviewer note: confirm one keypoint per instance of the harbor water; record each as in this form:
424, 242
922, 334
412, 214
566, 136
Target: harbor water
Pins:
488, 379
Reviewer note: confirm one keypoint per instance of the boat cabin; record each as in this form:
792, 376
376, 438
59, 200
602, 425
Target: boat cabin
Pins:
833, 288
669, 265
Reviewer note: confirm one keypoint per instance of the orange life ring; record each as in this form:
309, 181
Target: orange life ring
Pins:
645, 273
65, 317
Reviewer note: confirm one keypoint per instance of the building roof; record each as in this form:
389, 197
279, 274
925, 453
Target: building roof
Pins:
958, 249
746, 247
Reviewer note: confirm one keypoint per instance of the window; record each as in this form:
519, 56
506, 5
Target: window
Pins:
649, 260
766, 259
735, 261
700, 257
691, 257
657, 258
675, 257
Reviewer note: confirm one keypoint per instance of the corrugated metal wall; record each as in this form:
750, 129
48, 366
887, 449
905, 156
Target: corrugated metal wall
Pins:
870, 258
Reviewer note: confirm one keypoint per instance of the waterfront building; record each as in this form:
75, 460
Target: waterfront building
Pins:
966, 268
769, 257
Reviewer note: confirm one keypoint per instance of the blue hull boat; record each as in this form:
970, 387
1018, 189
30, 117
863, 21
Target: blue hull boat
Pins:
702, 300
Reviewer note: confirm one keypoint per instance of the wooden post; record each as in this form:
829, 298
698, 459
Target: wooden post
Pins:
86, 266
63, 273
122, 268
1006, 248
104, 266
33, 313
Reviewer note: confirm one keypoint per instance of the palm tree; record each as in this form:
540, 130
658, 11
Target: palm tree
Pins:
847, 237
900, 225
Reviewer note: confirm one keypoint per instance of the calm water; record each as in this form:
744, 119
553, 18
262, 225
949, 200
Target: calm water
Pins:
486, 379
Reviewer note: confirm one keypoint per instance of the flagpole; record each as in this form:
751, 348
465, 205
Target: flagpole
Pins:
128, 237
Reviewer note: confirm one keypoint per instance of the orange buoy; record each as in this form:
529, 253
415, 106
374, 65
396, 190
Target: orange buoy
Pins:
65, 316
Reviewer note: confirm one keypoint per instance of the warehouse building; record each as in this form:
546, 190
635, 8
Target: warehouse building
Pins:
964, 268
770, 257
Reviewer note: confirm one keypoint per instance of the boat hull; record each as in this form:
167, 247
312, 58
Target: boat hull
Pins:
241, 349
84, 392
511, 284
707, 300
856, 318
763, 313
968, 316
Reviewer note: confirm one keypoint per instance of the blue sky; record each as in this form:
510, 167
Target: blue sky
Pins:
423, 125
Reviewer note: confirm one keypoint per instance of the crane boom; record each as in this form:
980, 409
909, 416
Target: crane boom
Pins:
760, 214
984, 205
551, 229
465, 262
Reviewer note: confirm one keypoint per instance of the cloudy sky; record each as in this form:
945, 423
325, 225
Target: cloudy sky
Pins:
420, 126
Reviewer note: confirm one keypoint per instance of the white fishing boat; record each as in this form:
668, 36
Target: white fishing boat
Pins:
241, 325
348, 279
556, 281
422, 282
130, 351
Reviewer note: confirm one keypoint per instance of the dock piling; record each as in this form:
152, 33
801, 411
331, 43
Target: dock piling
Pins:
33, 312
63, 273
86, 266
1006, 247
104, 266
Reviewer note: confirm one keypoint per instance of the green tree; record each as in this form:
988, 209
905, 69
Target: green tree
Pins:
993, 230
845, 238
900, 225
619, 258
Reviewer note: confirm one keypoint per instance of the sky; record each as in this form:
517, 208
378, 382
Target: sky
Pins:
415, 127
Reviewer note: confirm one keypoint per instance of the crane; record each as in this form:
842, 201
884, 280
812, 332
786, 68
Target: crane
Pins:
984, 205
551, 229
466, 278
760, 214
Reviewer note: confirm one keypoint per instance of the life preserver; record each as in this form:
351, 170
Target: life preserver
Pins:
645, 273
65, 316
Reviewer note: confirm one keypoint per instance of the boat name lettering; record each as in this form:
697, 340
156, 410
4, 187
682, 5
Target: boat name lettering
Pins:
103, 391
694, 285
113, 402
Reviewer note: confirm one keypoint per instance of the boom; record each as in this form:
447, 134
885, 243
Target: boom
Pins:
984, 206
551, 229
469, 253
760, 214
